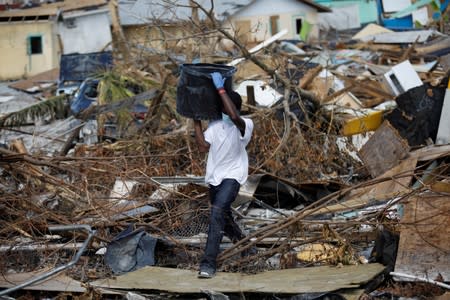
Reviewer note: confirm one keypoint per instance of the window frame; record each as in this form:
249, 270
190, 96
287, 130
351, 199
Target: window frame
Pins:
30, 44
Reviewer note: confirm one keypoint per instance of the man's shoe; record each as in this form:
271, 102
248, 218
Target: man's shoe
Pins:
205, 274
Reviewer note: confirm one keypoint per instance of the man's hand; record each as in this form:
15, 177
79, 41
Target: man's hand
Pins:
218, 80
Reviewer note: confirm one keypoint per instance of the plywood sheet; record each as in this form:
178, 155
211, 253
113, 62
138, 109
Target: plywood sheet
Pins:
424, 246
290, 281
383, 150
37, 81
60, 282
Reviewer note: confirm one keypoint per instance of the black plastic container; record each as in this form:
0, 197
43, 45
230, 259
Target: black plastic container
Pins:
197, 97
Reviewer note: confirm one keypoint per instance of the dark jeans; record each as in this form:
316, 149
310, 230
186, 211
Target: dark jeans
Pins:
221, 221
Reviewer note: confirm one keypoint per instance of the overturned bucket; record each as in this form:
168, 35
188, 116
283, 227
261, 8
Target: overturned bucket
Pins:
197, 97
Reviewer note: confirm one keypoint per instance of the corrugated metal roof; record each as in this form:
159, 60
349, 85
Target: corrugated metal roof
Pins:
52, 8
320, 8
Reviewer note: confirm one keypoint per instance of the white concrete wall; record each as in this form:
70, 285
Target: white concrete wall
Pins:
259, 14
91, 32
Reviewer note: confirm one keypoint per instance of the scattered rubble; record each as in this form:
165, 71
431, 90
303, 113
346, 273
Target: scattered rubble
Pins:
347, 196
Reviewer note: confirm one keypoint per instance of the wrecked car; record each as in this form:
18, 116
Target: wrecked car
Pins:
87, 95
75, 68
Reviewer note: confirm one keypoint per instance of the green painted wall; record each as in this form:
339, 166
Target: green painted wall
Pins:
367, 8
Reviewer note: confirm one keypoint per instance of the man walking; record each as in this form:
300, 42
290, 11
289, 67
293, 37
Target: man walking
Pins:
225, 141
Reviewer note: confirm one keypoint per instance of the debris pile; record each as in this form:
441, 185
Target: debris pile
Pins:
349, 176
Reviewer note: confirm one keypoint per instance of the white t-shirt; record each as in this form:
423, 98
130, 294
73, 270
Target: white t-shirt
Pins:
227, 157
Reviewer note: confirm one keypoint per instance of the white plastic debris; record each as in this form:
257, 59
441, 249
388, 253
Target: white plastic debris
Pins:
264, 94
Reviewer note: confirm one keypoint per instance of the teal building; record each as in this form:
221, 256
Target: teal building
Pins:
368, 9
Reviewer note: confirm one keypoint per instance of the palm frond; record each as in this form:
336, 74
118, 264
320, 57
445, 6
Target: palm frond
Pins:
116, 85
52, 108
113, 88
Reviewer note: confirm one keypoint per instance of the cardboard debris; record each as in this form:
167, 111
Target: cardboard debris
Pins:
423, 248
316, 252
347, 100
383, 150
394, 183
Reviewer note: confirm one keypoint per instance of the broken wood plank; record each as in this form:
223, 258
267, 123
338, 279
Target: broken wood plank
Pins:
36, 82
423, 279
288, 281
309, 76
338, 95
374, 101
433, 46
431, 152
251, 95
59, 283
383, 150
424, 244
440, 187
374, 87
42, 247
408, 52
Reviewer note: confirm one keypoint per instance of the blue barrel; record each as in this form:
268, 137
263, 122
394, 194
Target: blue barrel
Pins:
197, 97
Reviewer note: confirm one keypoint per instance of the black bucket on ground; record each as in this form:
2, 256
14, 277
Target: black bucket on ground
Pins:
197, 97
